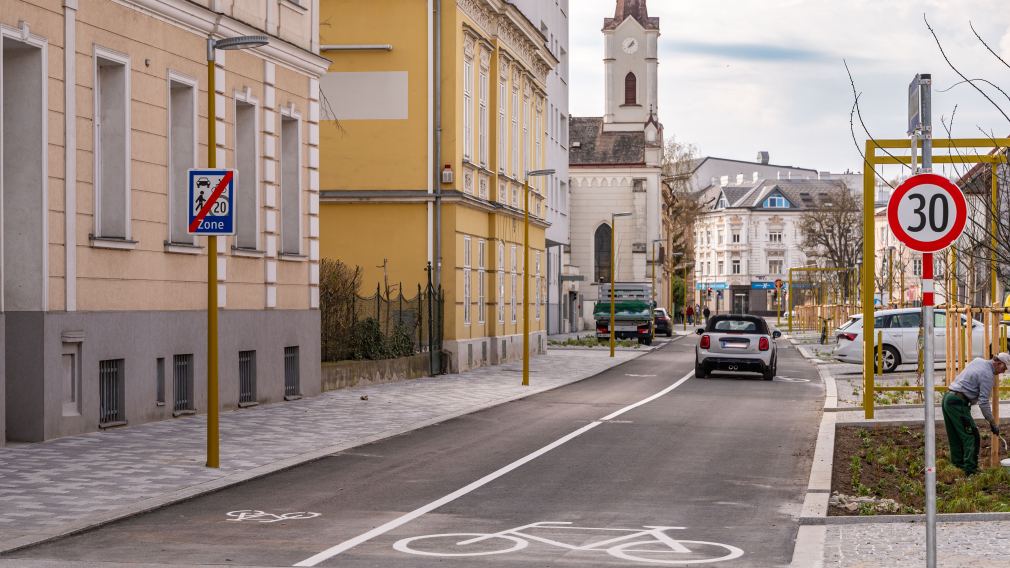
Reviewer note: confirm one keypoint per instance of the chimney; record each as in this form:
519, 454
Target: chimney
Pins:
739, 179
724, 180
763, 157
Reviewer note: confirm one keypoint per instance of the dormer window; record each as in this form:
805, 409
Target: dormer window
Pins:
775, 201
723, 203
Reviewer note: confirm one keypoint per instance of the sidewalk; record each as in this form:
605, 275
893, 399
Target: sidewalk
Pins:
879, 542
71, 484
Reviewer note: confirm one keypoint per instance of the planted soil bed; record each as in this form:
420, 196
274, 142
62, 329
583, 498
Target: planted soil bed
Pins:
873, 464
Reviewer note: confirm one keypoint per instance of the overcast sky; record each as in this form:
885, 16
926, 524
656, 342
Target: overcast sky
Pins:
739, 76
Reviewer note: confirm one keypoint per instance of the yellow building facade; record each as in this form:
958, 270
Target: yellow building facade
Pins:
379, 163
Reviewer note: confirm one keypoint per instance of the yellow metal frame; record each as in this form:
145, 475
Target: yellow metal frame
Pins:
872, 160
789, 314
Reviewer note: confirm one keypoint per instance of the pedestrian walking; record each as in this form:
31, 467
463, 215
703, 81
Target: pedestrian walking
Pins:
972, 386
690, 315
706, 312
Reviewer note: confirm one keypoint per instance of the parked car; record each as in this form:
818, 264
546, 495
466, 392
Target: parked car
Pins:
632, 320
900, 336
736, 343
664, 324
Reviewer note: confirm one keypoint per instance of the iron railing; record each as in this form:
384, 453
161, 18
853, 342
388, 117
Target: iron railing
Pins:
183, 366
247, 376
110, 392
291, 378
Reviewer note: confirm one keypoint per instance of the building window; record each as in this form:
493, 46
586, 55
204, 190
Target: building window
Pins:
182, 373
719, 237
483, 125
502, 135
916, 267
112, 146
501, 282
466, 279
292, 373
721, 268
775, 237
775, 266
291, 186
468, 109
775, 202
246, 377
515, 132
536, 284
524, 166
601, 252
723, 203
538, 158
735, 237
247, 206
630, 89
181, 156
481, 283
71, 379
111, 392
515, 283
736, 267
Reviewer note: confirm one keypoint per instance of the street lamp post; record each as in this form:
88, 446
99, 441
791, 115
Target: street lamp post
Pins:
613, 241
213, 439
526, 271
684, 307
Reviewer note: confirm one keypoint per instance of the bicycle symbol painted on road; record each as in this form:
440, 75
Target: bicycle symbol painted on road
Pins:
262, 517
651, 544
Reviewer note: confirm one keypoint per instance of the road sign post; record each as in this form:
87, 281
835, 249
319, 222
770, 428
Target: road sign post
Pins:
927, 213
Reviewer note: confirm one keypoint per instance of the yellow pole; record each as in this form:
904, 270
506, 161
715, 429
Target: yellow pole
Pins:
869, 234
213, 439
526, 288
652, 319
613, 332
880, 352
789, 314
902, 287
992, 231
685, 297
890, 276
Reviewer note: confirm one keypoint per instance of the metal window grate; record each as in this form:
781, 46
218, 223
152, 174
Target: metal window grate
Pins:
183, 373
247, 377
110, 391
160, 367
291, 386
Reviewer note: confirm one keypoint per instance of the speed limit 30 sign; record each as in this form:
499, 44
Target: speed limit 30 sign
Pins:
927, 213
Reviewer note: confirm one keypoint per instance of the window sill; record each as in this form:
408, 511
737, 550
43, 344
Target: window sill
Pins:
292, 257
178, 413
182, 248
631, 106
159, 404
116, 424
247, 404
247, 252
112, 243
295, 6
292, 397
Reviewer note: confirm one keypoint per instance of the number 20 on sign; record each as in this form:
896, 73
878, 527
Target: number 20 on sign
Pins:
927, 213
211, 204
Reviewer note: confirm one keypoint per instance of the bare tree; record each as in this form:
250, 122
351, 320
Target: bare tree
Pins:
833, 233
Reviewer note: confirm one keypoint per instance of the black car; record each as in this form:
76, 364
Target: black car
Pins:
664, 324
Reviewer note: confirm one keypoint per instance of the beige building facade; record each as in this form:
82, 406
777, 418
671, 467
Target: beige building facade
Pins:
104, 108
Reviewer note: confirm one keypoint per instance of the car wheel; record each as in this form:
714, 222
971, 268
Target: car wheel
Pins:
769, 372
699, 370
669, 333
891, 359
647, 341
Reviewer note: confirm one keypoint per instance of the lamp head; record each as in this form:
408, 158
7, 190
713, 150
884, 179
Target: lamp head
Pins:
241, 42
540, 173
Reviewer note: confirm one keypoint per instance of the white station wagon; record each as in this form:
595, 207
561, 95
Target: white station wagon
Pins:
900, 329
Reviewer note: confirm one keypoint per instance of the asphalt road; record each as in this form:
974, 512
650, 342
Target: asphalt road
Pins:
725, 458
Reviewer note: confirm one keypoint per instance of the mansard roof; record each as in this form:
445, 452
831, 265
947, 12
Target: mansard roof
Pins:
631, 9
801, 194
589, 145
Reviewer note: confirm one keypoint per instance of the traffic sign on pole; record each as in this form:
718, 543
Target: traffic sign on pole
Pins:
211, 208
927, 213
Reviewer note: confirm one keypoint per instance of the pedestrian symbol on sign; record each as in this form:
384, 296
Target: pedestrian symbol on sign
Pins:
211, 196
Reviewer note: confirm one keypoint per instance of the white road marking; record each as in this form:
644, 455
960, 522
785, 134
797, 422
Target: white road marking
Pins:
262, 517
631, 375
404, 519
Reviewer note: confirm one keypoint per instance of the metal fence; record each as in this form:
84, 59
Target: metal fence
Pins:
417, 315
247, 376
110, 391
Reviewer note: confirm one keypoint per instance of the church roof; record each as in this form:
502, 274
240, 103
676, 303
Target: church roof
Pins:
590, 146
631, 9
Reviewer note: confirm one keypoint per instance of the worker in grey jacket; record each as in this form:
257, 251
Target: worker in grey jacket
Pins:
972, 386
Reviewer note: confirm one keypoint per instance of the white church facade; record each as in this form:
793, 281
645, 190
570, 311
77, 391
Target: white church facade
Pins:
616, 164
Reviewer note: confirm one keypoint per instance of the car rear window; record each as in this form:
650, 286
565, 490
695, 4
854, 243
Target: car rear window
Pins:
730, 324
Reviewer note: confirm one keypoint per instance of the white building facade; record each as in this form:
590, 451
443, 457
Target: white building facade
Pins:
616, 163
551, 17
748, 237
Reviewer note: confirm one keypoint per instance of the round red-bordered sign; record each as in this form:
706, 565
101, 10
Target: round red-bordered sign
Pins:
927, 212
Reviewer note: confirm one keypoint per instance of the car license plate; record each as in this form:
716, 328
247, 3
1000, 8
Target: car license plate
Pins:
735, 344
627, 328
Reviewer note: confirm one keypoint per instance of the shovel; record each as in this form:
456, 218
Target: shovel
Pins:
1005, 462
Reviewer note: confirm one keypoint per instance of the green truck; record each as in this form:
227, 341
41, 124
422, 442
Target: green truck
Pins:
632, 320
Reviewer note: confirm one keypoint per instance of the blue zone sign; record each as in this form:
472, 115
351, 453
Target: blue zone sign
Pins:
211, 203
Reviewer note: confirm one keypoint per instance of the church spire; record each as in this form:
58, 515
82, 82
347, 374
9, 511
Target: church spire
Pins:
637, 9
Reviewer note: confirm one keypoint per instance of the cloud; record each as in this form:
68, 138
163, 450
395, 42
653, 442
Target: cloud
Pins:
749, 51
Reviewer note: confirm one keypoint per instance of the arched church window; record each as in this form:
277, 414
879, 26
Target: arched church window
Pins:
602, 254
630, 89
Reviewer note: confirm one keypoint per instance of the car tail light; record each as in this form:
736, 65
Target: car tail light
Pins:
643, 329
706, 342
763, 344
849, 336
601, 329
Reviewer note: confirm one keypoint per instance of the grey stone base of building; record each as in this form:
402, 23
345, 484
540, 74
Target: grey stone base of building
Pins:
466, 354
74, 372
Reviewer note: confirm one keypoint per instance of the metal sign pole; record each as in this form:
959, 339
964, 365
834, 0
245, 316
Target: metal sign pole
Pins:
927, 333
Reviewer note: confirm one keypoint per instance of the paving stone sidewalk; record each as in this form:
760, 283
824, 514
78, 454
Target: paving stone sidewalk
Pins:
897, 545
71, 483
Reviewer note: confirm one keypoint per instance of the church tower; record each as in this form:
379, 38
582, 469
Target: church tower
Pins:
631, 59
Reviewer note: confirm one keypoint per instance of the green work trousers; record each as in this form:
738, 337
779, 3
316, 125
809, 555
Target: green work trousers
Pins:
962, 433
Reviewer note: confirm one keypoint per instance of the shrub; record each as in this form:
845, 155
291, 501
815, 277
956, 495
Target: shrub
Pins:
367, 341
400, 342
